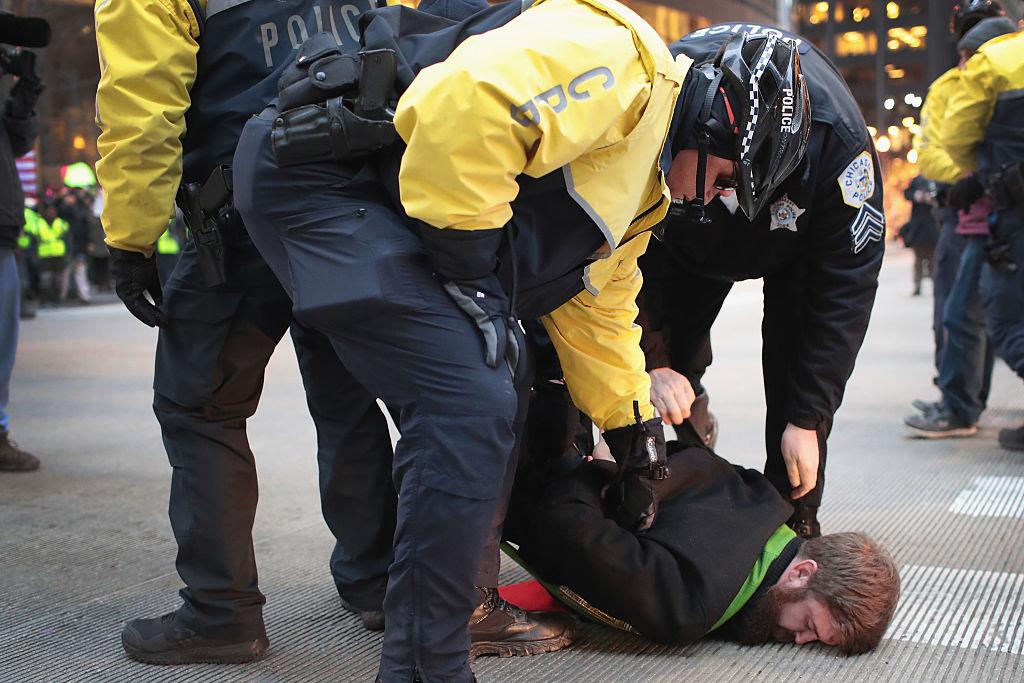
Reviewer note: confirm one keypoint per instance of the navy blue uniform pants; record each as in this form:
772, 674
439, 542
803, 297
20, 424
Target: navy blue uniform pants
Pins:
357, 272
209, 375
1002, 291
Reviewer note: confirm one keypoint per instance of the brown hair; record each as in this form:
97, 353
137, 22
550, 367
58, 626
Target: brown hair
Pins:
859, 582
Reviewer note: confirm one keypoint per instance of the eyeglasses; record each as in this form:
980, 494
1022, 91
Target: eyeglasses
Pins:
729, 182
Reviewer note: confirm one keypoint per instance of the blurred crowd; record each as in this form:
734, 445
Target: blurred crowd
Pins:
62, 256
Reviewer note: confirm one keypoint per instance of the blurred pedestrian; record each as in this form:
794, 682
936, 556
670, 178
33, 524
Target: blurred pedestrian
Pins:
18, 128
921, 232
77, 215
52, 253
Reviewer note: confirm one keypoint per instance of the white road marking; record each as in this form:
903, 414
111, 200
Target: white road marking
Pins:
960, 608
991, 497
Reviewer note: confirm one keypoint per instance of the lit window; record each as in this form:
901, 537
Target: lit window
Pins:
894, 72
900, 38
853, 43
819, 13
907, 121
883, 144
889, 104
861, 13
892, 10
912, 156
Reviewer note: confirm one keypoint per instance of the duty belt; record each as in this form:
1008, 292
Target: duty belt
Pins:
334, 106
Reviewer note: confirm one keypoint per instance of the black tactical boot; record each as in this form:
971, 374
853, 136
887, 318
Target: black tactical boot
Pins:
504, 630
164, 641
805, 521
373, 619
1012, 439
13, 459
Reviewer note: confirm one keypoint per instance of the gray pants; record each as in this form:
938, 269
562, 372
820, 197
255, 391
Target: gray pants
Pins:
10, 305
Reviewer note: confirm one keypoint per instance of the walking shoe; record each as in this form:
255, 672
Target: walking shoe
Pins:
163, 641
501, 629
804, 521
1012, 439
939, 425
13, 459
926, 407
373, 619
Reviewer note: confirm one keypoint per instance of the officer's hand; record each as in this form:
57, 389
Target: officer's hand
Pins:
671, 394
134, 277
965, 192
800, 452
484, 301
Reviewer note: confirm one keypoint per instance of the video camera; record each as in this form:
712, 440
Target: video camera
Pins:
16, 33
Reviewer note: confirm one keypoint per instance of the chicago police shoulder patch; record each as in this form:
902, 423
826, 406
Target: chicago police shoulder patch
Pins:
868, 226
784, 213
857, 181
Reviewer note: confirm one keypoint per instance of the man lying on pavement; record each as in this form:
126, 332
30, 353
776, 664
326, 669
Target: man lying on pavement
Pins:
719, 558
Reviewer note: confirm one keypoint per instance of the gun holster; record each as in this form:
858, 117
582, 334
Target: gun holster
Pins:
211, 217
333, 105
1006, 186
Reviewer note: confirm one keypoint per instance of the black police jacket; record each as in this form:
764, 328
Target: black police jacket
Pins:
673, 582
821, 234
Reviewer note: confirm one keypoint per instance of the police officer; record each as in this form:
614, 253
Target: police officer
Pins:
814, 235
936, 165
984, 136
965, 364
178, 81
527, 188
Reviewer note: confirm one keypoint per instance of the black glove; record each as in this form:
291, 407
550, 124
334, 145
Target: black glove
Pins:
484, 301
639, 450
23, 98
134, 277
964, 193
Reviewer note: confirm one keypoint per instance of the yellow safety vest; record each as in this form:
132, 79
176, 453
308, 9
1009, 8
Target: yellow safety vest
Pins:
51, 238
167, 244
31, 229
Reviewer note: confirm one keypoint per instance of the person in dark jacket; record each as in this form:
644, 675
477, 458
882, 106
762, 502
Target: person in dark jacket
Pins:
718, 559
18, 130
817, 243
920, 233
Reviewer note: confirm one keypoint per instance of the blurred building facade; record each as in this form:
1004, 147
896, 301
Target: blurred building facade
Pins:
70, 68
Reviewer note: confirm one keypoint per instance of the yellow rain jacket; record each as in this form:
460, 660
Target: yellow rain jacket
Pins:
932, 159
982, 128
593, 103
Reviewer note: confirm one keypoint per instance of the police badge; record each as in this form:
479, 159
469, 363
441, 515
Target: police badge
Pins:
784, 214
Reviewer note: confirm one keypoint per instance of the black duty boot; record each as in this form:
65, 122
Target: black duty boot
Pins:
13, 459
373, 619
805, 521
504, 630
1012, 439
164, 641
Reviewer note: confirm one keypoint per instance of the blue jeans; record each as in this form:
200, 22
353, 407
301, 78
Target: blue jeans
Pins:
10, 303
945, 265
965, 367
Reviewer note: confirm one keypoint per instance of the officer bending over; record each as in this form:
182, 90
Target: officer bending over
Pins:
810, 224
179, 79
718, 560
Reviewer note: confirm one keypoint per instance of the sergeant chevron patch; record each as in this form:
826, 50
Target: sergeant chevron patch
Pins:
867, 227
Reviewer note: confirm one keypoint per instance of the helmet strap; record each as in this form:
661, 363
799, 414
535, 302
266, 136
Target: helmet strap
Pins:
694, 208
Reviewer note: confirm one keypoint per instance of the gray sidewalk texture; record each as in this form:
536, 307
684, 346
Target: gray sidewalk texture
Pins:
86, 544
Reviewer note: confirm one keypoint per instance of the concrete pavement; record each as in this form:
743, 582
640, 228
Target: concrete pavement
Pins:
86, 543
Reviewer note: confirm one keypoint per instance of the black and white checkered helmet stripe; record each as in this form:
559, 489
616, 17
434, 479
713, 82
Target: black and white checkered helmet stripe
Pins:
754, 94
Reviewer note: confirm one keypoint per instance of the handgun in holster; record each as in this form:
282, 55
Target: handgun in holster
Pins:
210, 215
